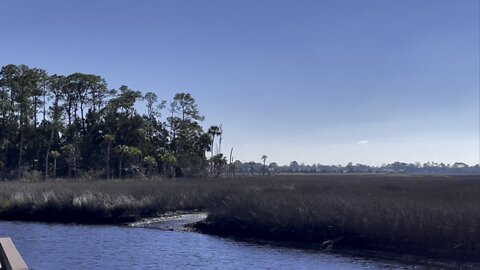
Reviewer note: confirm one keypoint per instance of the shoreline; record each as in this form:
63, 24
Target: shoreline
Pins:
339, 243
431, 216
375, 255
389, 254
438, 258
171, 221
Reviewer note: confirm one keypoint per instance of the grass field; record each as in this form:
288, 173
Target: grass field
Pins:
432, 215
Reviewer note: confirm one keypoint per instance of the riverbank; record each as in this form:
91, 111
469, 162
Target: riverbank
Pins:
434, 216
175, 221
426, 215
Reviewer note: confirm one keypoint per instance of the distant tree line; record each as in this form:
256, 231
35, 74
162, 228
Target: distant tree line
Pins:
259, 168
75, 126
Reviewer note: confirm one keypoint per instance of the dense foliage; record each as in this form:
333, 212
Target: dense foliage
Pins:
73, 126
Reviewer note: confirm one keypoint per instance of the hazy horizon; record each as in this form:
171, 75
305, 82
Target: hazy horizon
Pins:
327, 82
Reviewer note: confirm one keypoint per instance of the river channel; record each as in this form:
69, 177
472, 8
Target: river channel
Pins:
57, 246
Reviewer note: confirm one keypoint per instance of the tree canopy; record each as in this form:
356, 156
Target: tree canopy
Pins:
74, 125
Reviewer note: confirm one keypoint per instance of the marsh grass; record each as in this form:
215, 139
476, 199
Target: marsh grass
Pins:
424, 214
437, 215
97, 201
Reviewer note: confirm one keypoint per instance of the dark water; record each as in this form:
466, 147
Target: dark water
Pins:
46, 246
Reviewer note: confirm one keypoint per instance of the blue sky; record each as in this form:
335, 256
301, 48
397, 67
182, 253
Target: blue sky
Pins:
314, 81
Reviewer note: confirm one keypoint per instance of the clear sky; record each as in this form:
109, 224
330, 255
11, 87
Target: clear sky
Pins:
313, 81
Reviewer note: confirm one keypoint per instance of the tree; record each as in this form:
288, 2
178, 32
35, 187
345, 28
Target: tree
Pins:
294, 166
70, 153
122, 151
109, 139
9, 119
98, 92
124, 102
251, 163
152, 110
273, 167
55, 155
213, 131
231, 166
86, 91
187, 141
151, 163
184, 106
129, 160
219, 162
25, 92
55, 86
264, 158
87, 127
37, 82
169, 162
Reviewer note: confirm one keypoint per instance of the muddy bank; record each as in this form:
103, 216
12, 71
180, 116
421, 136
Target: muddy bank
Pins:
175, 221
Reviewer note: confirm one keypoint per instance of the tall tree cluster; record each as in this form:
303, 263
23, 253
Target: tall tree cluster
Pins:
70, 126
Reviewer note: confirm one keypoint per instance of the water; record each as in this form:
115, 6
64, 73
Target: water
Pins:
47, 246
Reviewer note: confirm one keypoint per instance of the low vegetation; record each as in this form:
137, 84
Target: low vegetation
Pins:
422, 214
433, 215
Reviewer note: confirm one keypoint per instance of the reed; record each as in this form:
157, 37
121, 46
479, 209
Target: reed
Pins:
414, 214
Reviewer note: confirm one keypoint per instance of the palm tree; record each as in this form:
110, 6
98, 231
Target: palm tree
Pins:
169, 162
70, 155
55, 155
151, 163
213, 131
129, 159
264, 158
219, 161
109, 139
122, 151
